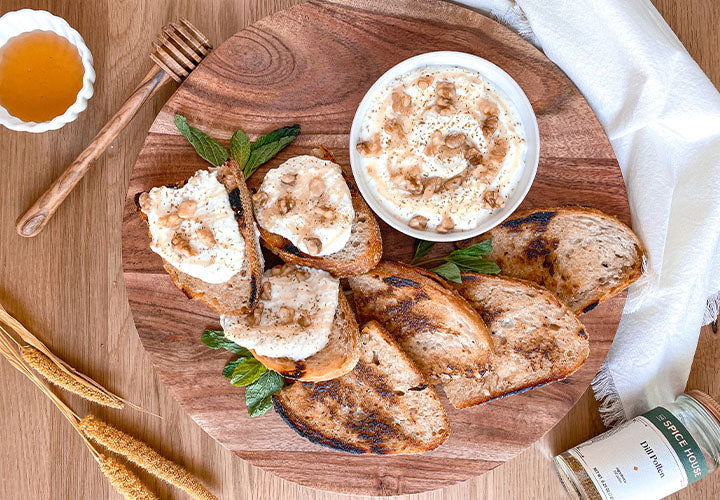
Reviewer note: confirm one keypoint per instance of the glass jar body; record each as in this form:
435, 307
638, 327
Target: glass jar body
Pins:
648, 457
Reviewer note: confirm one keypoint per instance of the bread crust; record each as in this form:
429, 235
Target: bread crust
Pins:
212, 294
383, 406
526, 246
538, 352
337, 358
434, 325
334, 264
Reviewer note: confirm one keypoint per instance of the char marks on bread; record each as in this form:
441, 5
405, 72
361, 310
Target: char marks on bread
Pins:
383, 406
537, 338
580, 254
433, 324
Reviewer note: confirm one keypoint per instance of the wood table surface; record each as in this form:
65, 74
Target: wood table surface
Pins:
67, 285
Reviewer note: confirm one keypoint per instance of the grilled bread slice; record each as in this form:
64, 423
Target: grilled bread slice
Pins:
240, 294
434, 325
361, 253
383, 406
537, 338
580, 254
337, 358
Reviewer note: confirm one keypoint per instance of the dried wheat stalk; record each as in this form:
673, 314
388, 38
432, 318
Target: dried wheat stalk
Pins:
62, 374
45, 367
122, 479
143, 455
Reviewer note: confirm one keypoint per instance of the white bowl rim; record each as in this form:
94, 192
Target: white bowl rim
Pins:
25, 20
519, 99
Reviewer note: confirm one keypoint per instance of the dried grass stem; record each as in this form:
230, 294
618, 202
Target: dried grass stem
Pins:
143, 455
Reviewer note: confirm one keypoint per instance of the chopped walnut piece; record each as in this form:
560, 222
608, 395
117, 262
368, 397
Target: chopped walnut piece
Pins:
445, 89
453, 182
446, 224
316, 187
285, 205
446, 111
206, 237
286, 315
254, 318
304, 321
393, 127
418, 222
171, 221
490, 125
432, 185
482, 172
369, 148
286, 269
424, 82
313, 245
498, 151
186, 209
182, 246
266, 292
474, 156
401, 101
260, 198
276, 271
443, 102
493, 198
302, 275
436, 139
288, 179
325, 212
454, 140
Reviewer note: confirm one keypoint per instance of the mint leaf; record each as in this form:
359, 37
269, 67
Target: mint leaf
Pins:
215, 339
264, 154
247, 372
240, 148
484, 266
207, 147
258, 395
230, 367
422, 248
277, 134
478, 249
449, 271
266, 147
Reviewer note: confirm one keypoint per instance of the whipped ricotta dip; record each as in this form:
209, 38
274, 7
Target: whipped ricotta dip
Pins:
307, 201
294, 316
194, 228
441, 148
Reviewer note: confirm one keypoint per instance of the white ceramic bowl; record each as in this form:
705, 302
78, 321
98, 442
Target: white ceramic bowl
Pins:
505, 84
22, 21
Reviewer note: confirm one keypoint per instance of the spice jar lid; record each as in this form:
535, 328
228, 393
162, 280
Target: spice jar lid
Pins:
712, 406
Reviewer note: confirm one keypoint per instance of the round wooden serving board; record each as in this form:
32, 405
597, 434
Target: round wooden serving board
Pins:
311, 64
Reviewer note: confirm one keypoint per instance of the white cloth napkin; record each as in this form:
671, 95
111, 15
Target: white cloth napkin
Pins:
662, 116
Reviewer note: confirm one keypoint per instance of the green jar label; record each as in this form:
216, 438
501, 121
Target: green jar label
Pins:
681, 441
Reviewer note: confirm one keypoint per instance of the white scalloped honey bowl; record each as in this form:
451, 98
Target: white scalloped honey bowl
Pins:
22, 21
502, 81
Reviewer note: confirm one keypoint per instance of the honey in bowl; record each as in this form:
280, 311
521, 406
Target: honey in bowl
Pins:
41, 74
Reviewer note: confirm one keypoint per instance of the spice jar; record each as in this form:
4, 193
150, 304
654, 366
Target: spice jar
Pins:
650, 456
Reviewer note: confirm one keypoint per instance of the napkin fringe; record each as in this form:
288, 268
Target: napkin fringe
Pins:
610, 407
712, 309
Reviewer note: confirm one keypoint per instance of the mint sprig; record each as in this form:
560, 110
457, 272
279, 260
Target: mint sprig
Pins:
207, 147
465, 259
249, 155
259, 382
266, 147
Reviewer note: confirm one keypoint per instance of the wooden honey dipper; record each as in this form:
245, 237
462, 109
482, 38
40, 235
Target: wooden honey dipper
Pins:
177, 51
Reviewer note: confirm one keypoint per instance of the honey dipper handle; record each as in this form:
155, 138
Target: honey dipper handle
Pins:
35, 218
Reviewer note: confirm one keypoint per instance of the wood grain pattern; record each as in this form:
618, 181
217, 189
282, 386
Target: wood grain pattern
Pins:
312, 64
66, 284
